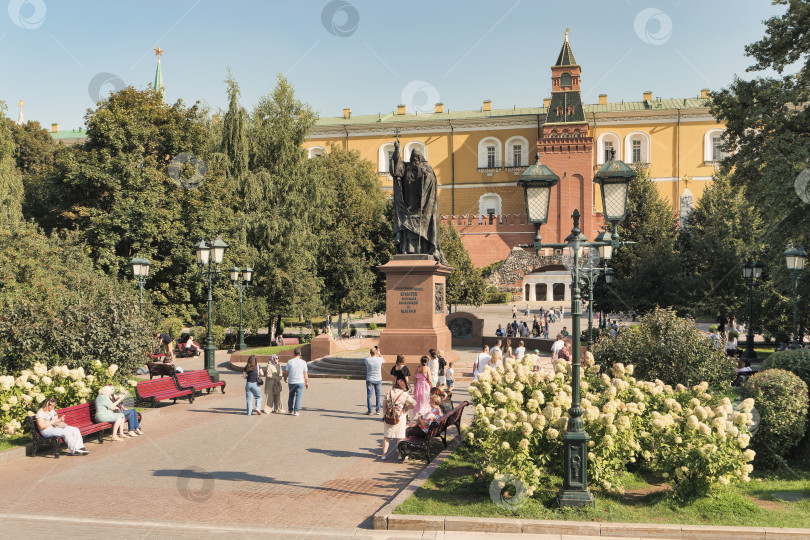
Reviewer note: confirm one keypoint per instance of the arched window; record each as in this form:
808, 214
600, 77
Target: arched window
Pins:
565, 79
604, 144
384, 158
713, 145
517, 152
570, 110
489, 204
559, 111
316, 151
415, 145
489, 153
637, 148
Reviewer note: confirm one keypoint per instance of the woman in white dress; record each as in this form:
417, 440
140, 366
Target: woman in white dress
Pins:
50, 425
400, 401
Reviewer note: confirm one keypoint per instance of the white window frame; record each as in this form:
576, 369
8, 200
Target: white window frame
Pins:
600, 146
646, 153
383, 163
707, 145
524, 151
419, 145
315, 151
483, 206
482, 152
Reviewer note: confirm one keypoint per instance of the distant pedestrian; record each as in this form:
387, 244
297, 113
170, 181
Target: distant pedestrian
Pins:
514, 312
527, 310
374, 364
422, 386
556, 347
273, 386
500, 332
442, 367
497, 346
565, 332
433, 366
251, 374
520, 352
400, 372
297, 379
450, 376
481, 361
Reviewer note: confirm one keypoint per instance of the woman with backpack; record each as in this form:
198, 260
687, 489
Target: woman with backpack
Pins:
395, 407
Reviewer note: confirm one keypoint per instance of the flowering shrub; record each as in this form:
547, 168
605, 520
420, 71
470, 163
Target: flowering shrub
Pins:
687, 435
21, 396
782, 403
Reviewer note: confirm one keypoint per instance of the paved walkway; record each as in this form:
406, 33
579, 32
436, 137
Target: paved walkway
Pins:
210, 463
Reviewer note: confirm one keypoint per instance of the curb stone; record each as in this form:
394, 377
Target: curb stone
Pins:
384, 518
7, 456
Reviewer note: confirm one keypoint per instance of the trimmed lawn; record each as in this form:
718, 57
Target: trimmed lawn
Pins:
272, 350
7, 442
452, 490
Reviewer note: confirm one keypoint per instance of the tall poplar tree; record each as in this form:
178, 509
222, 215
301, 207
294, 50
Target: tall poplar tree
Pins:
11, 184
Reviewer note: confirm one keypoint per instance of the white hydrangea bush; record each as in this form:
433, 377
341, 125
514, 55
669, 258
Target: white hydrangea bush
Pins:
22, 395
690, 437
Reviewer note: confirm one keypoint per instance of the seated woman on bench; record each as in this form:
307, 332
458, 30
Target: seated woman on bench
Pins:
191, 347
50, 425
422, 423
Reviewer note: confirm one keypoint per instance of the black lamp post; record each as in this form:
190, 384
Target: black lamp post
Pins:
614, 178
752, 271
140, 269
794, 257
209, 257
589, 276
241, 281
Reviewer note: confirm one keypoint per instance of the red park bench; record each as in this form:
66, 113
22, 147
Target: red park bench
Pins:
80, 416
198, 380
438, 428
155, 390
161, 369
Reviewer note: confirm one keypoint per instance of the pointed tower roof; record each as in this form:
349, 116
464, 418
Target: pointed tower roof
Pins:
158, 86
20, 120
566, 57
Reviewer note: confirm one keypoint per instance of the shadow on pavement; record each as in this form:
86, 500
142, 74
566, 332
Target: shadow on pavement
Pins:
363, 453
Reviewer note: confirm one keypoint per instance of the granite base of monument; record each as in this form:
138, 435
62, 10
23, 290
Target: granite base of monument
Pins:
415, 309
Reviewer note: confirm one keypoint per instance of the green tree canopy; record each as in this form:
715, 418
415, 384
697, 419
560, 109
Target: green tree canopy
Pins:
11, 185
465, 285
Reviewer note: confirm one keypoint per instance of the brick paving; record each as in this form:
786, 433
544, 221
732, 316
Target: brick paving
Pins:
210, 463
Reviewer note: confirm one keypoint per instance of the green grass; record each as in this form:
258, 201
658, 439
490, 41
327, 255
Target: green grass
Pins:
453, 490
272, 350
7, 442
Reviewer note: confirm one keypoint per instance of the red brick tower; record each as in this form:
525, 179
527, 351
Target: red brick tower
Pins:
567, 150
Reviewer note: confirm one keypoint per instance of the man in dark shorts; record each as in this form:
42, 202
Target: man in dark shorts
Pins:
165, 340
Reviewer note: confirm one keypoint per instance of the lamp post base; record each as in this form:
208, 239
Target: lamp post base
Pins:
241, 344
209, 354
575, 476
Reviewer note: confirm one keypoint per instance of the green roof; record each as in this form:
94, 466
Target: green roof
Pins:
80, 133
626, 106
566, 57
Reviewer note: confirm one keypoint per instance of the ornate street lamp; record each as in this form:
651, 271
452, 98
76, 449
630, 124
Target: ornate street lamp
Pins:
537, 181
589, 277
752, 271
613, 178
241, 281
140, 269
794, 257
209, 257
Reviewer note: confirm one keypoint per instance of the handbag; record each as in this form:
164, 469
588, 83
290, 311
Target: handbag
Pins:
259, 379
391, 417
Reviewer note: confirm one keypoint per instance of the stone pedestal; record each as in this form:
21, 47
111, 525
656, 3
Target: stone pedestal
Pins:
415, 308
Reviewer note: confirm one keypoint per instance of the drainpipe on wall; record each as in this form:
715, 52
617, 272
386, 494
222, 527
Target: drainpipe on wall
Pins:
346, 144
452, 172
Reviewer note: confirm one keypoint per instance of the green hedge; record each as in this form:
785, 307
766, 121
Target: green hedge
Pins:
796, 361
498, 298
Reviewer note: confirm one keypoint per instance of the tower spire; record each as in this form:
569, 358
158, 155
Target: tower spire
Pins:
158, 86
20, 120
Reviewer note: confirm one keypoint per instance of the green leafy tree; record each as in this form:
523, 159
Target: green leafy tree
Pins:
355, 234
465, 285
282, 205
646, 274
768, 129
11, 185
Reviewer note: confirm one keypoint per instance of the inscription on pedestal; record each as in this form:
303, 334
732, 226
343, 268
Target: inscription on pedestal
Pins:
408, 298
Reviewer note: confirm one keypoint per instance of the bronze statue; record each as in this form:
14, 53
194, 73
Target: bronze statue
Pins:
416, 219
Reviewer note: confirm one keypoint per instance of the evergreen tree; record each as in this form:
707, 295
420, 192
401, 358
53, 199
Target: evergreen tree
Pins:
235, 126
646, 274
465, 285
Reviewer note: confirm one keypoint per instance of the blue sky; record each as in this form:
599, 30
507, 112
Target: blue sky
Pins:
368, 55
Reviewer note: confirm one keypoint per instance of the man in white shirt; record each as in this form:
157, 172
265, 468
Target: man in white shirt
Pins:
481, 361
297, 378
374, 364
557, 346
497, 346
520, 352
